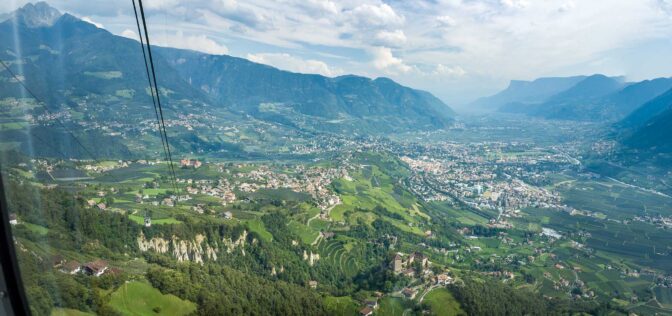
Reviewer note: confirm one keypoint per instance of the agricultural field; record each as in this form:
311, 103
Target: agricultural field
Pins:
615, 199
636, 242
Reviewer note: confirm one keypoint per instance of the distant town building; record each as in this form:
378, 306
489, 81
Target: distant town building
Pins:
190, 163
444, 279
409, 293
198, 208
418, 256
397, 264
168, 202
479, 189
408, 272
95, 268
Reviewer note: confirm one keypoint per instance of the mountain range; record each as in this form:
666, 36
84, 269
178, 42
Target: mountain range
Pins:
527, 92
639, 112
648, 130
84, 60
266, 92
580, 98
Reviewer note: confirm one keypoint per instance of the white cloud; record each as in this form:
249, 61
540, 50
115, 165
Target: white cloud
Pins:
390, 38
665, 6
445, 21
200, 43
568, 5
291, 63
249, 16
130, 34
319, 6
518, 4
88, 19
370, 15
161, 4
384, 60
443, 70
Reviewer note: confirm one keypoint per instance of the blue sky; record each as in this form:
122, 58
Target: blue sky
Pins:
456, 49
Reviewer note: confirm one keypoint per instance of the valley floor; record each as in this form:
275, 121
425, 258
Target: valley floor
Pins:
400, 226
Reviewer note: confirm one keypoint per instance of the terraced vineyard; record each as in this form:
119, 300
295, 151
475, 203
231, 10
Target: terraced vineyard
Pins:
338, 254
373, 186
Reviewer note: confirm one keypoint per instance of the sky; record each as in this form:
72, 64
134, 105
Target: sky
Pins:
458, 50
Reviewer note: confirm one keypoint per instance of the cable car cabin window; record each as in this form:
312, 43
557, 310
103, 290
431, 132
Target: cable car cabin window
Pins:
320, 157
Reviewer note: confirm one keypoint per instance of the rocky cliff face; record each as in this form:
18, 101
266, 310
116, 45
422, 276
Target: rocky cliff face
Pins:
239, 243
311, 257
155, 244
195, 250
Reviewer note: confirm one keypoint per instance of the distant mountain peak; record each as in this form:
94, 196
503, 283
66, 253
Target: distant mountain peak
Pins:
39, 14
605, 77
593, 86
527, 92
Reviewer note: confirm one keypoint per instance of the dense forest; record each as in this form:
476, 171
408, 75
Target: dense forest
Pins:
220, 290
479, 296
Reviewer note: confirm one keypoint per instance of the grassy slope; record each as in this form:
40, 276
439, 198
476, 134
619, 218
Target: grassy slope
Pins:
139, 298
391, 306
344, 305
443, 303
369, 188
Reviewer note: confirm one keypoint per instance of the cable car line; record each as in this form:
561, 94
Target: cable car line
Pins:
156, 90
162, 132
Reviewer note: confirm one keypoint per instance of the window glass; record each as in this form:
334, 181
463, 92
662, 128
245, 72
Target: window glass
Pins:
321, 157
